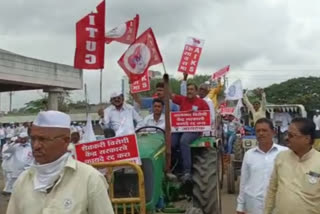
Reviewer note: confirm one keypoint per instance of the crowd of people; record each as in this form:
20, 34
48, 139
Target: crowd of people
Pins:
279, 179
16, 152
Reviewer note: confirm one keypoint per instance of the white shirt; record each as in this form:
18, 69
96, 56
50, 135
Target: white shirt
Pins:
80, 190
20, 156
256, 171
2, 133
316, 120
9, 132
150, 121
285, 119
122, 121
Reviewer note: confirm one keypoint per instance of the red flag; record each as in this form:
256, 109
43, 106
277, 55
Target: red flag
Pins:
125, 33
90, 44
221, 72
140, 55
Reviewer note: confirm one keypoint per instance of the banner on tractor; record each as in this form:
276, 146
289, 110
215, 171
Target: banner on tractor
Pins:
190, 121
191, 55
220, 73
124, 148
125, 33
141, 85
226, 110
90, 33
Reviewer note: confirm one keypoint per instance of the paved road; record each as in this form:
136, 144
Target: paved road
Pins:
228, 201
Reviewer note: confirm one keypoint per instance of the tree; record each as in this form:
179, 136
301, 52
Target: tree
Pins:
35, 106
304, 90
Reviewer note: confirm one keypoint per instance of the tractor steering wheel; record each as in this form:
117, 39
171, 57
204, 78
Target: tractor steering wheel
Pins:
152, 127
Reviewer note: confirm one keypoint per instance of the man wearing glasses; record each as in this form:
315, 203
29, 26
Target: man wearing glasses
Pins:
121, 117
295, 182
51, 184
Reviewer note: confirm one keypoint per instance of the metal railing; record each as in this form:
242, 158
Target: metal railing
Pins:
125, 205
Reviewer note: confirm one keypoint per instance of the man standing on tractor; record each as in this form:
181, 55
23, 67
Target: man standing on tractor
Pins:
316, 119
182, 141
214, 93
121, 116
149, 100
295, 182
256, 169
258, 109
281, 121
204, 90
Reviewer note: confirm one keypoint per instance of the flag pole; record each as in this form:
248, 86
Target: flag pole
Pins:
164, 68
101, 86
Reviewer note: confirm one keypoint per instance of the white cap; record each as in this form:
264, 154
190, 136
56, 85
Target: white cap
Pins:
52, 119
23, 135
116, 94
13, 139
73, 129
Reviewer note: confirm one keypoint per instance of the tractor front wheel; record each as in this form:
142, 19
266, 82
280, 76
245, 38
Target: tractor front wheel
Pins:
206, 191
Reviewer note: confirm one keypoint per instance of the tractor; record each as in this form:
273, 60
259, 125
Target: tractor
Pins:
248, 141
152, 187
163, 192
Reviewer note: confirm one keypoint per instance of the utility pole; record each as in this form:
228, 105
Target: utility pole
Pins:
10, 102
86, 99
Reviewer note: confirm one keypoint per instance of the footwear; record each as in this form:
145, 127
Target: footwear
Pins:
186, 177
5, 193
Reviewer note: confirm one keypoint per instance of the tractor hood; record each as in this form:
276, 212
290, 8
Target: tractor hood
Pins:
150, 145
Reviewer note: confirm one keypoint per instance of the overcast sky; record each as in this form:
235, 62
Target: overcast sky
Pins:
265, 41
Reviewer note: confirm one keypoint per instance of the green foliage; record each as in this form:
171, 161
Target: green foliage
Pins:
35, 106
304, 90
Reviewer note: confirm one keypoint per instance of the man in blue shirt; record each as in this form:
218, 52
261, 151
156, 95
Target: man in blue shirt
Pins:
146, 102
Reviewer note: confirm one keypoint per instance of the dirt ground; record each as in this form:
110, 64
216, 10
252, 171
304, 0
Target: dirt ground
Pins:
228, 201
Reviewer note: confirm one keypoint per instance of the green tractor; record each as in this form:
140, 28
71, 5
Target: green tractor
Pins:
152, 188
164, 193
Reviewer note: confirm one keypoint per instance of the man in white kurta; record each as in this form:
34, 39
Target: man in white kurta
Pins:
20, 157
121, 117
56, 183
257, 168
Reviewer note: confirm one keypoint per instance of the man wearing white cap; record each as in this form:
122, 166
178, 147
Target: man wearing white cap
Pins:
7, 164
20, 154
121, 116
51, 184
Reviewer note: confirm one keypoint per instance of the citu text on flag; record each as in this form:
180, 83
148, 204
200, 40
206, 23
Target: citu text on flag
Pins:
90, 40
